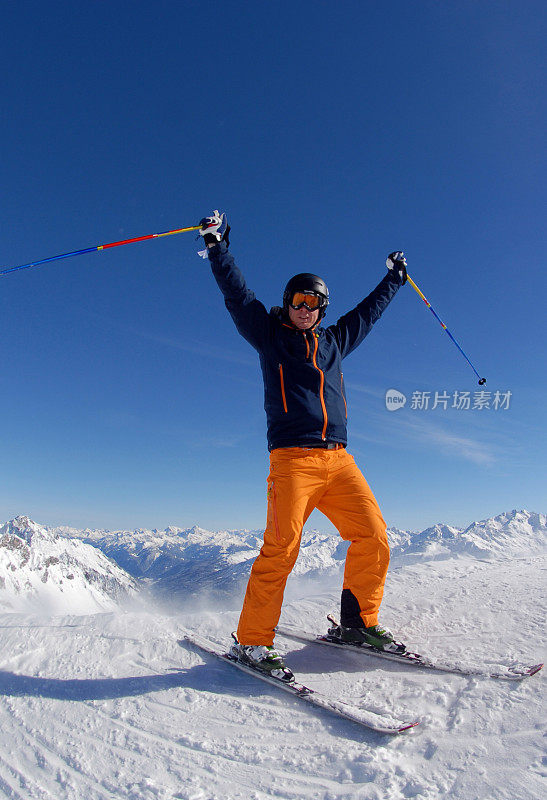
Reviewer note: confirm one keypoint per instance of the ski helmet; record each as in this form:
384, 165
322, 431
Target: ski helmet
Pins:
307, 283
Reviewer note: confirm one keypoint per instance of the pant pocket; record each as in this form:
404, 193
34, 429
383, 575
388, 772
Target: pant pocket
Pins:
273, 519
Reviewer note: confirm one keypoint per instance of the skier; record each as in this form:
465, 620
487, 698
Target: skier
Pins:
306, 411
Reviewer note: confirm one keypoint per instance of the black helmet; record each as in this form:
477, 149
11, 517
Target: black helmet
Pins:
312, 284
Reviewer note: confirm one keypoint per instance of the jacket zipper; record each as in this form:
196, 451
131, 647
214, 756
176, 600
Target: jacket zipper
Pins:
307, 345
284, 398
321, 387
343, 395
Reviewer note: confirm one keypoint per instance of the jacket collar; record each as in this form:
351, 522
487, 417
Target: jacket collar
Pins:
278, 314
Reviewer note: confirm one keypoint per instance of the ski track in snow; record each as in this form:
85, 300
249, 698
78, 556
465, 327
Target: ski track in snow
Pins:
111, 706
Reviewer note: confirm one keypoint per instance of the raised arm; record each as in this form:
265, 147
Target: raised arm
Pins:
351, 329
249, 314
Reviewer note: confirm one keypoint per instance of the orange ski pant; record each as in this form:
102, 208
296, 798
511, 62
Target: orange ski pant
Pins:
300, 480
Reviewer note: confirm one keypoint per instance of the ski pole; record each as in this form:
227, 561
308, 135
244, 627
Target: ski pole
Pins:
97, 247
482, 381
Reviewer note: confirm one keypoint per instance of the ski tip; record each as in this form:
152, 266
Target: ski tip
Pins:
408, 726
524, 672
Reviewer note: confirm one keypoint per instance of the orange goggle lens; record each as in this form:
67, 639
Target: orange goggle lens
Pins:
311, 301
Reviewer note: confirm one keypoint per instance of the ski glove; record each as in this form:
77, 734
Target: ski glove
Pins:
215, 228
396, 263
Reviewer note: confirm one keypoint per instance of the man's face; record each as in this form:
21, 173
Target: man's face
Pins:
302, 318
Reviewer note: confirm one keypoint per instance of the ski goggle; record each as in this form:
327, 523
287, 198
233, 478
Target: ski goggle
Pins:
311, 301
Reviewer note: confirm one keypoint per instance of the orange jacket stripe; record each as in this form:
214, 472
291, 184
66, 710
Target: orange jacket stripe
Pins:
343, 396
307, 346
283, 387
321, 388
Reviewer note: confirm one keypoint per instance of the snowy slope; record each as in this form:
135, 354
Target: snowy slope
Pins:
111, 706
40, 570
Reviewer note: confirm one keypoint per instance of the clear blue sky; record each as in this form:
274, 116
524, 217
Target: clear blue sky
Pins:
331, 133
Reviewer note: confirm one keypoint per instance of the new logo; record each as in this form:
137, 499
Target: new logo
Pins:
394, 400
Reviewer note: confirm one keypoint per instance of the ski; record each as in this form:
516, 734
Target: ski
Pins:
362, 716
513, 673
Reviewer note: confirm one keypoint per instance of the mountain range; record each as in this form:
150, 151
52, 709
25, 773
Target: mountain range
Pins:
90, 570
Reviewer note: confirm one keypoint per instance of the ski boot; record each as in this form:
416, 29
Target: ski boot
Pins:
263, 658
375, 636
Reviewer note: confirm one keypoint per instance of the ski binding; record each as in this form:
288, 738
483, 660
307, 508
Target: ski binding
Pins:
362, 716
512, 673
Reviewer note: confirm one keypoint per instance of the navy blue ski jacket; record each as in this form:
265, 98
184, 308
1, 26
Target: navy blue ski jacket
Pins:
304, 394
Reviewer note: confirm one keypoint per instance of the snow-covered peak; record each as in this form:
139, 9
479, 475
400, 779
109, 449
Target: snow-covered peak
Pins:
509, 534
43, 571
25, 529
438, 532
506, 535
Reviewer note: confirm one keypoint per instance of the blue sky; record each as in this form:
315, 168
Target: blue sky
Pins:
331, 134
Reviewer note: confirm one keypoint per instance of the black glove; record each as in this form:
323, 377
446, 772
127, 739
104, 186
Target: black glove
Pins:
215, 228
396, 263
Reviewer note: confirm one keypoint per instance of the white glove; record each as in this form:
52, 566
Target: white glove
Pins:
215, 228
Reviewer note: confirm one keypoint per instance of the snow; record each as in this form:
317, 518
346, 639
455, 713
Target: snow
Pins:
110, 705
41, 570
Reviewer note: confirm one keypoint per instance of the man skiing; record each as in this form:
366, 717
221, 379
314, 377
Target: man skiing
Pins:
306, 411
